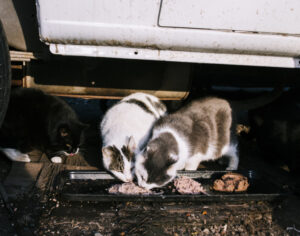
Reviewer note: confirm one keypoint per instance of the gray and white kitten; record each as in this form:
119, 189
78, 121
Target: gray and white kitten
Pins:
198, 132
126, 127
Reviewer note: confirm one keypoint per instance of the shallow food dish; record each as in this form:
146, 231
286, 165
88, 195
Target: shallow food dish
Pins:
94, 185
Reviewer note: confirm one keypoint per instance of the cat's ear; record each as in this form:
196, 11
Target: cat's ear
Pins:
107, 154
131, 144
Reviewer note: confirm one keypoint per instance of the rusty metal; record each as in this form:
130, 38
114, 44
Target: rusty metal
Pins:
23, 56
16, 82
99, 93
17, 67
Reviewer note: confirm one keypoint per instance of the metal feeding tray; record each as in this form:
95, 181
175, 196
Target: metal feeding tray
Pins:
93, 186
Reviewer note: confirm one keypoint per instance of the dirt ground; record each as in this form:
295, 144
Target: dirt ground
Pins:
31, 203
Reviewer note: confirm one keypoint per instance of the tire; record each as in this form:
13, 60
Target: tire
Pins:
5, 74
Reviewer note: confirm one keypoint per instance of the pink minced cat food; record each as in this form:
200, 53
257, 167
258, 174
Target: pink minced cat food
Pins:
183, 185
186, 185
128, 188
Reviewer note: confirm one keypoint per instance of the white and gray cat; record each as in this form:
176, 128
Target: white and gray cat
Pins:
198, 132
125, 129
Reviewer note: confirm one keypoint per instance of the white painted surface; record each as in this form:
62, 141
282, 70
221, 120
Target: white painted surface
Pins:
179, 56
272, 16
118, 27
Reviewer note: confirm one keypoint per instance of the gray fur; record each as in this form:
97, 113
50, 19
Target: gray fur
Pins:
203, 128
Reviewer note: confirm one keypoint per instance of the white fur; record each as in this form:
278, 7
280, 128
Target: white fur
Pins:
56, 159
233, 157
126, 120
15, 155
143, 97
140, 171
125, 176
229, 150
193, 162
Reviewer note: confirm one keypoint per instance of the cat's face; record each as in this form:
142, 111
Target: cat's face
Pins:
156, 165
68, 138
120, 161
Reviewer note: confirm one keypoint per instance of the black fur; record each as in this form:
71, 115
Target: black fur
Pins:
140, 104
276, 128
157, 105
35, 120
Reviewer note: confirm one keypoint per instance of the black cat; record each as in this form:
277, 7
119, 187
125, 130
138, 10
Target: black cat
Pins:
36, 120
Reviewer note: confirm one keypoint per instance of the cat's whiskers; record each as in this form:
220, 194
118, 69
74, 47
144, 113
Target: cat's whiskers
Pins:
77, 151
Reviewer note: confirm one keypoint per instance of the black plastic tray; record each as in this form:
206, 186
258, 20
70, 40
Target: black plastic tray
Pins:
93, 185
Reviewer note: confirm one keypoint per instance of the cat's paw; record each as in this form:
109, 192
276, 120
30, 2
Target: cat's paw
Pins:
15, 155
56, 159
23, 158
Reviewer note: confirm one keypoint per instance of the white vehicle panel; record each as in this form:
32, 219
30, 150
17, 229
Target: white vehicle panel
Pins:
133, 24
269, 16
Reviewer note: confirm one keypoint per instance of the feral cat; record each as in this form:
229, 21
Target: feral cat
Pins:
35, 120
197, 132
125, 129
276, 128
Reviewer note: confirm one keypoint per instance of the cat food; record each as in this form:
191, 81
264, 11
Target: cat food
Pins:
128, 188
186, 185
231, 182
